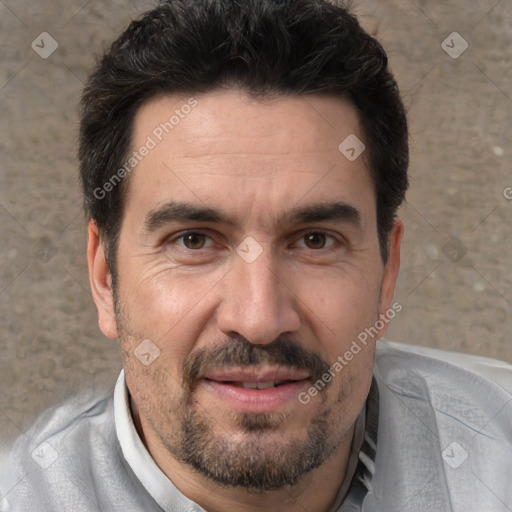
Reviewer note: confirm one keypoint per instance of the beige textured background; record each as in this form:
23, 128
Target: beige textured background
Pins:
456, 296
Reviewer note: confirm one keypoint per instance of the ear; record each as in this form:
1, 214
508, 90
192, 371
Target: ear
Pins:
101, 282
390, 274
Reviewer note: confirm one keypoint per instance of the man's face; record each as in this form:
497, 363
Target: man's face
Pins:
248, 254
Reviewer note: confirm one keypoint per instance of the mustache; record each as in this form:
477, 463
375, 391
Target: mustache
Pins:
238, 351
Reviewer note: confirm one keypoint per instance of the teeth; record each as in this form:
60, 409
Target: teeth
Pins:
261, 385
266, 385
250, 385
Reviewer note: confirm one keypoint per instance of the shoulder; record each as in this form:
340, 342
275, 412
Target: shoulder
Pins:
444, 430
70, 459
470, 391
445, 364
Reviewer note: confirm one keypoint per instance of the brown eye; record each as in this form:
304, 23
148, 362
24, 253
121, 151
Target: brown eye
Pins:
315, 240
194, 240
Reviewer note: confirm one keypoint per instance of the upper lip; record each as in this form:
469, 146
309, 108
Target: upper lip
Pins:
267, 374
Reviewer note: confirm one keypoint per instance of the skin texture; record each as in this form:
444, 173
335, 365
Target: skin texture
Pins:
194, 298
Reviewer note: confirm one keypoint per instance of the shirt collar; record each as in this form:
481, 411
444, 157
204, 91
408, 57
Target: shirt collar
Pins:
142, 464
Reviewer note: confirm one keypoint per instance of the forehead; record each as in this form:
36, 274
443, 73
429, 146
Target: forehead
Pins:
314, 121
226, 144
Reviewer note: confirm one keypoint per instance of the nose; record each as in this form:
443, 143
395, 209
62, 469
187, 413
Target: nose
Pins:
257, 303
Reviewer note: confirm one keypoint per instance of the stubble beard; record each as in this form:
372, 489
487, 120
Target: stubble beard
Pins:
260, 459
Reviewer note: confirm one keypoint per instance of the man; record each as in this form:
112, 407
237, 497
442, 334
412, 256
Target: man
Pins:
242, 165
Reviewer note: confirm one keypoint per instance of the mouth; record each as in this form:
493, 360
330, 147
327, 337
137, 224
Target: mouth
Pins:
256, 390
258, 385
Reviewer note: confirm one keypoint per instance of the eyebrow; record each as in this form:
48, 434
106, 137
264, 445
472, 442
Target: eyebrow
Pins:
172, 212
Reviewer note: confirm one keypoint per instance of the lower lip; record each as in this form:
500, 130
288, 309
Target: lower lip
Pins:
256, 400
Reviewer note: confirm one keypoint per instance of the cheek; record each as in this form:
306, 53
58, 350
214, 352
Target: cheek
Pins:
157, 394
161, 300
161, 322
341, 307
354, 385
